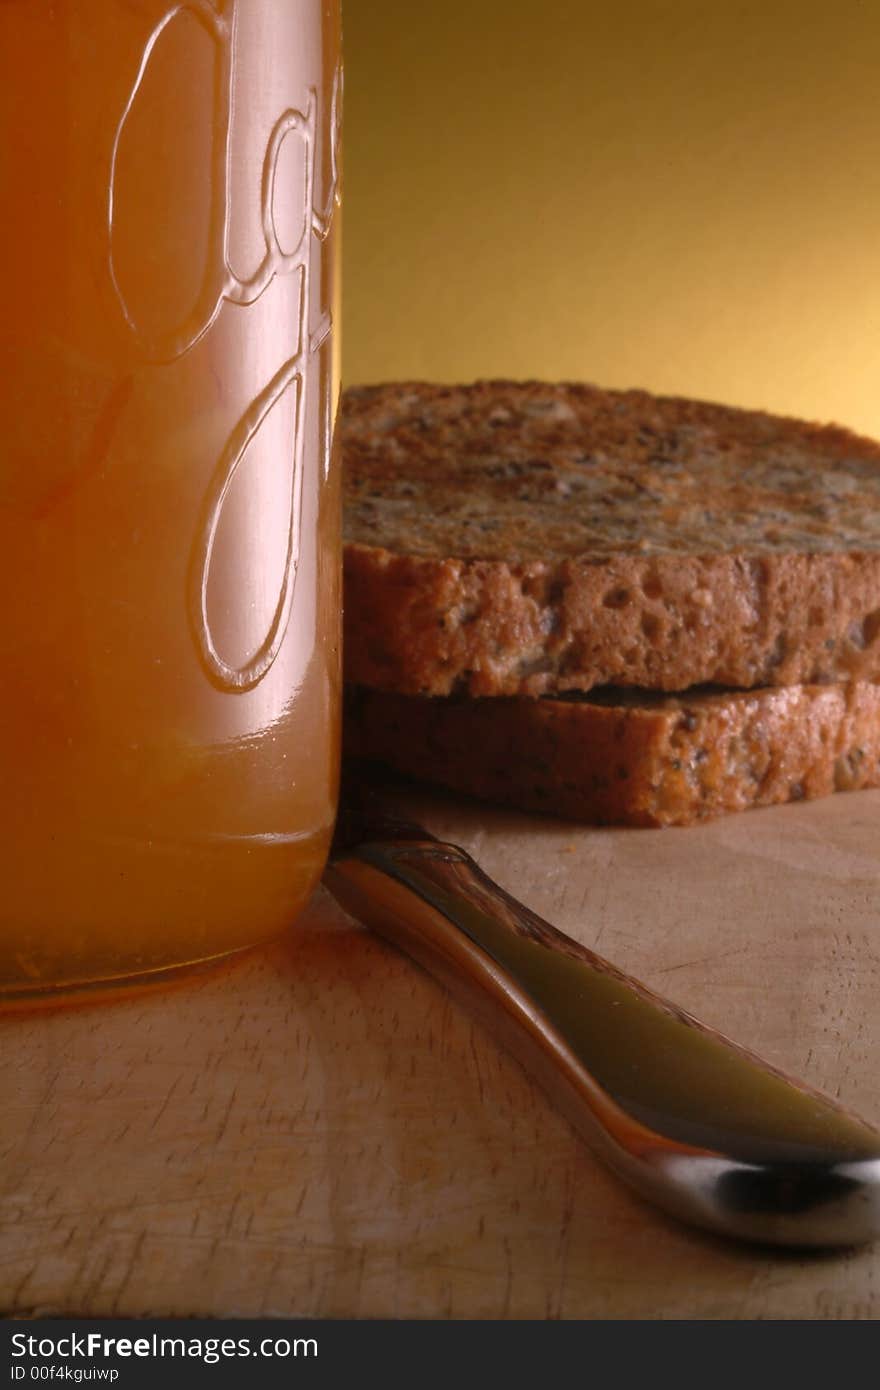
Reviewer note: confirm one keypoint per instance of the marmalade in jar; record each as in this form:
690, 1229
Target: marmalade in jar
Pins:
169, 506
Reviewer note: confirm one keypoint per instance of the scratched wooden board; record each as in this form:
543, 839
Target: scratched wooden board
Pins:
319, 1130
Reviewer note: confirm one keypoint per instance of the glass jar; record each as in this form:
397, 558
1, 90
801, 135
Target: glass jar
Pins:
169, 500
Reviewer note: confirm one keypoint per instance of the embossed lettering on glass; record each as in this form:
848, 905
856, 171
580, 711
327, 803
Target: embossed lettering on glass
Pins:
169, 506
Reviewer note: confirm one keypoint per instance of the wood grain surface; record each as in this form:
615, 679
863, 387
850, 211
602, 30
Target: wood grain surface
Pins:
317, 1130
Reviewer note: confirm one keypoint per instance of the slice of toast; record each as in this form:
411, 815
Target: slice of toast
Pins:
526, 538
627, 758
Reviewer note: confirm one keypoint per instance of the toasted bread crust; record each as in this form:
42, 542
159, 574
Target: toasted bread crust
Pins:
440, 627
638, 762
602, 538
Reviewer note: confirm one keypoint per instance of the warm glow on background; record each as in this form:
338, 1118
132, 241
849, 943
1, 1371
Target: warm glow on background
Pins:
683, 196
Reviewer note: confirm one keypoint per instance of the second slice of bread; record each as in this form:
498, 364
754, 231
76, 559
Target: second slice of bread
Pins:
624, 758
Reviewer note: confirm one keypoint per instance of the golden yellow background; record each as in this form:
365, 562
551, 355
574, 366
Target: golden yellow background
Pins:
682, 195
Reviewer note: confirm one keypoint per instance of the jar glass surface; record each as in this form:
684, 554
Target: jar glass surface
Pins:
169, 499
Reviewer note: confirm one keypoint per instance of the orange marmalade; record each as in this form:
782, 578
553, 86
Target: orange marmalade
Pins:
169, 510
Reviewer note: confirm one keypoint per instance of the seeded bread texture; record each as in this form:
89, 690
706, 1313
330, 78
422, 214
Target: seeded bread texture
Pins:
627, 758
526, 538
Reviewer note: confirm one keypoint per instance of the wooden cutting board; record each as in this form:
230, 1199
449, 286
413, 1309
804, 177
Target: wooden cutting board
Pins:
318, 1130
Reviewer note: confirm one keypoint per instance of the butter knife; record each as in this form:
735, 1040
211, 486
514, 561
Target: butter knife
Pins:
692, 1121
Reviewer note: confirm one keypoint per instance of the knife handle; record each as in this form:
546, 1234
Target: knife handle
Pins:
692, 1121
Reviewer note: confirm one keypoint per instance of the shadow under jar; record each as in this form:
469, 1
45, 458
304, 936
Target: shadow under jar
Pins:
169, 500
